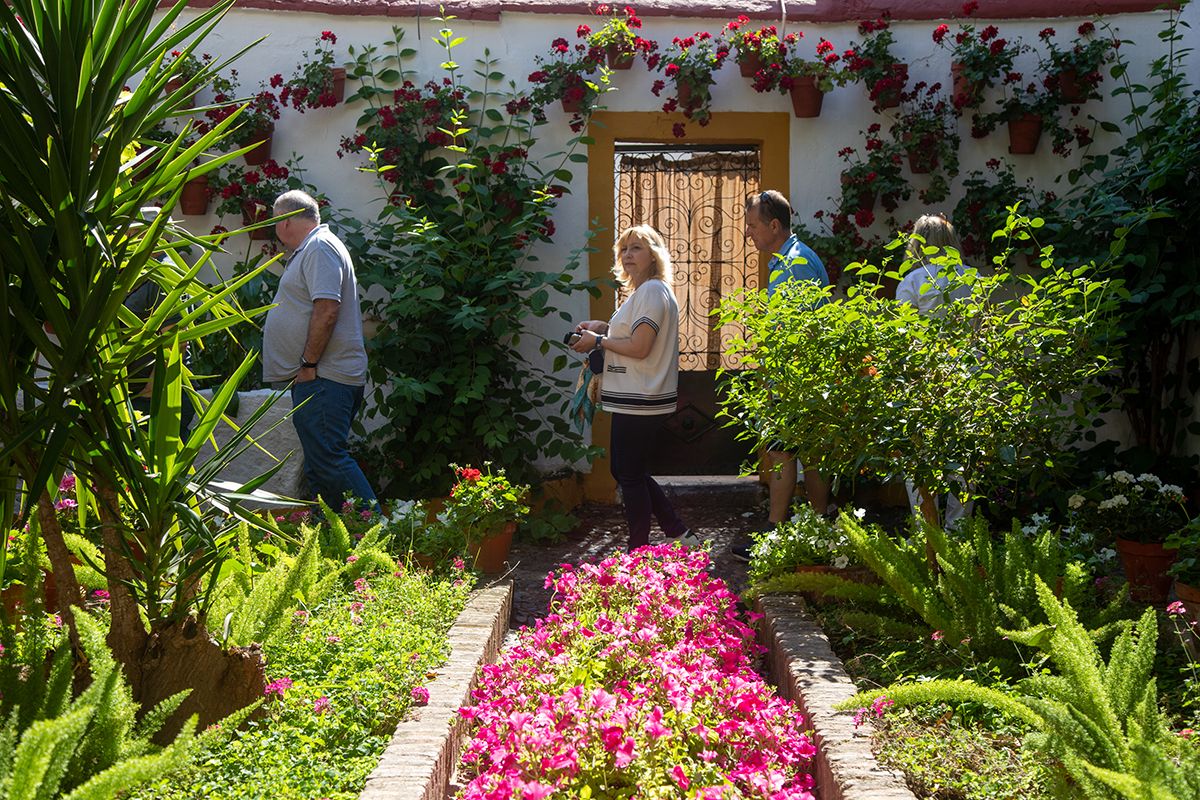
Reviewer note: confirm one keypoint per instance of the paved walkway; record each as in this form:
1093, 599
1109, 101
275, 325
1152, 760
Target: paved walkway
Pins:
722, 511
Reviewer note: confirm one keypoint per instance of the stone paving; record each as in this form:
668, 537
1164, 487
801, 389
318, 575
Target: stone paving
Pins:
721, 512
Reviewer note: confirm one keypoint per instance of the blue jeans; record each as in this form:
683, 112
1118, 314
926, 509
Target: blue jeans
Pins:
323, 426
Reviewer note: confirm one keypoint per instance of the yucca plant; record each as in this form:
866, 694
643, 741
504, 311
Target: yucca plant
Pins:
77, 165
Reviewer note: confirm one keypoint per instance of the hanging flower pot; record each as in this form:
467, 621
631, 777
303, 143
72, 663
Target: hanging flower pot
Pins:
865, 199
491, 552
922, 162
806, 97
1146, 565
1071, 91
174, 85
193, 200
683, 93
886, 91
750, 64
1024, 133
261, 154
252, 214
964, 87
572, 105
618, 58
338, 87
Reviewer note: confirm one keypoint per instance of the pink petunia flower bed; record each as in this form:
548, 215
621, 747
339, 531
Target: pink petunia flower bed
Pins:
638, 684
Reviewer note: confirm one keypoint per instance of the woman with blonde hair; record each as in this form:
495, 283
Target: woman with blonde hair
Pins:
934, 251
641, 375
927, 284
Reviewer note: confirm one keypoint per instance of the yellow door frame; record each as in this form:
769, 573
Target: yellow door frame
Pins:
769, 131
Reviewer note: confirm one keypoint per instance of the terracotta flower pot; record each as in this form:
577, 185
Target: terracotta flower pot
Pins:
193, 201
250, 217
921, 162
338, 89
572, 105
1190, 597
618, 58
750, 64
890, 96
964, 86
491, 552
261, 154
683, 93
174, 85
1146, 565
806, 97
1071, 91
1023, 134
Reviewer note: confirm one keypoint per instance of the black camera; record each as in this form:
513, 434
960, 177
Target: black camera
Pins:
571, 338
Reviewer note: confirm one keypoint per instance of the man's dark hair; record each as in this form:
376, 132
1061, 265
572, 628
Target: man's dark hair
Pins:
771, 205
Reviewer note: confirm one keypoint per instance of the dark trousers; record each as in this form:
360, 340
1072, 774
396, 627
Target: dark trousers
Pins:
633, 440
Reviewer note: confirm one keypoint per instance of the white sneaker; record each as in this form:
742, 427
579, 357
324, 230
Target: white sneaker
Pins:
689, 539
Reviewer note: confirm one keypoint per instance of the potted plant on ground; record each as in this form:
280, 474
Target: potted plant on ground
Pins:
690, 63
1076, 71
978, 58
872, 64
486, 507
256, 123
1139, 514
808, 542
316, 83
755, 48
1186, 569
928, 131
617, 36
565, 76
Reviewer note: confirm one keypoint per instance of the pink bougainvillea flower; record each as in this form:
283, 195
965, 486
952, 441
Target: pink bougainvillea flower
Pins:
420, 695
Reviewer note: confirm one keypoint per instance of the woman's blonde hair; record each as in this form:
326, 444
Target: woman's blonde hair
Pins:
658, 251
936, 231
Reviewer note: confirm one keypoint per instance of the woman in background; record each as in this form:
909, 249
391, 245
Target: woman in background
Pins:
641, 375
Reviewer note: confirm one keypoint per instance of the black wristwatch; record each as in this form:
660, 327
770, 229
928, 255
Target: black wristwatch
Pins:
599, 342
308, 364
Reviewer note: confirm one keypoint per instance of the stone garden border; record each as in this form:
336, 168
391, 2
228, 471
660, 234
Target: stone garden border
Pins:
802, 664
420, 759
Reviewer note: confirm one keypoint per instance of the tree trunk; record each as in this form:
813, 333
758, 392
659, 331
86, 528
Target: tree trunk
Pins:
64, 571
126, 634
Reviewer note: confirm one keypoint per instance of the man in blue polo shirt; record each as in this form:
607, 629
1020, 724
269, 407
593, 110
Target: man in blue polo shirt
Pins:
769, 227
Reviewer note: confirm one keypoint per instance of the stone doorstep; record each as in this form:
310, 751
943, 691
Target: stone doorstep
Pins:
420, 759
803, 666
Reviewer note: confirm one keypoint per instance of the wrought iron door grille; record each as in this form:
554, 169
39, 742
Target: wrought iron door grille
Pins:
695, 197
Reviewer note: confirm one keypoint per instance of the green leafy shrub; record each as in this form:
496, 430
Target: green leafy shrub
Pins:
807, 539
967, 396
979, 584
1098, 719
449, 258
343, 673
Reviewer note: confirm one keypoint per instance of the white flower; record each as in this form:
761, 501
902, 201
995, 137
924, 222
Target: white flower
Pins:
822, 544
860, 512
1108, 554
1170, 488
1121, 476
841, 562
1040, 519
1075, 501
1029, 530
1113, 502
1147, 477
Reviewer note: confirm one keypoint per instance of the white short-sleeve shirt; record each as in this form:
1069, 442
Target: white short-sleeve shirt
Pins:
644, 386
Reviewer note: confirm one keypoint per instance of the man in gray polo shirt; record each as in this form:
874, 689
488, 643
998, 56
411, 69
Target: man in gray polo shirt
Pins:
313, 339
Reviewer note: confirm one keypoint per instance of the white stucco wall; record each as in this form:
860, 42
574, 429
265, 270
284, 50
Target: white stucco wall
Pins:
517, 38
